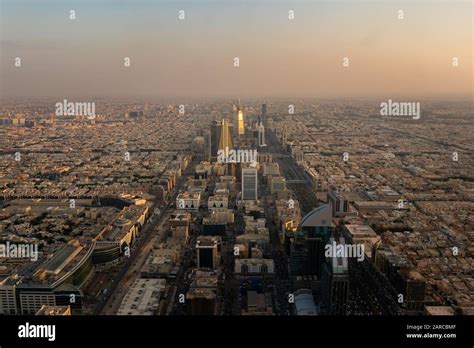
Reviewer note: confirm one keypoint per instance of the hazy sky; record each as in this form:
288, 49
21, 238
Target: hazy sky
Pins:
388, 57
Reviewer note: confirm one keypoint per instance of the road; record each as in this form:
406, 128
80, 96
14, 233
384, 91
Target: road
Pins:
139, 252
369, 294
281, 283
292, 171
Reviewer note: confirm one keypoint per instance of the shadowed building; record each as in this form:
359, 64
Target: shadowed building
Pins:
335, 287
307, 248
249, 183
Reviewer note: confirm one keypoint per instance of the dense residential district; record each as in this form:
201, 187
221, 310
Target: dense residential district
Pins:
296, 207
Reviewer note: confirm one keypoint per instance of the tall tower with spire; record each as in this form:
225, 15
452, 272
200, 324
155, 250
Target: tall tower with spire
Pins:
225, 140
240, 121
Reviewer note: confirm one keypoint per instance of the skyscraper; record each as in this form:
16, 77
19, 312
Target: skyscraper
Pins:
335, 284
231, 127
207, 145
284, 137
307, 251
264, 114
339, 204
249, 183
298, 254
214, 138
240, 121
261, 135
225, 140
200, 301
209, 251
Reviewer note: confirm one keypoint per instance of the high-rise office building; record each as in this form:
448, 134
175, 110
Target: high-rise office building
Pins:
414, 288
284, 136
304, 302
209, 252
226, 144
240, 122
298, 254
231, 129
261, 134
201, 301
307, 251
215, 132
408, 282
225, 139
207, 145
339, 204
249, 183
264, 114
335, 284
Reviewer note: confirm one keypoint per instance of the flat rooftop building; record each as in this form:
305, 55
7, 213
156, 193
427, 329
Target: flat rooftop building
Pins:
143, 297
54, 310
439, 310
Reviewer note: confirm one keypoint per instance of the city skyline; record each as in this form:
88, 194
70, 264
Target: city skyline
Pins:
220, 165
